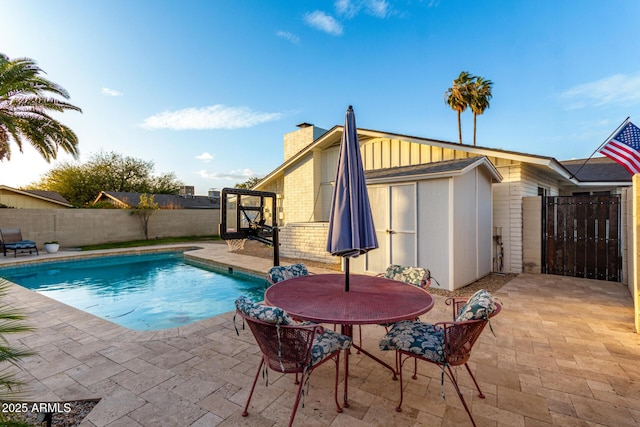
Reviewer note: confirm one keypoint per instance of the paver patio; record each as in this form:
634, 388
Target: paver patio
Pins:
564, 353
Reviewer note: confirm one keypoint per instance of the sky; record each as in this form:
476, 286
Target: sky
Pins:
207, 89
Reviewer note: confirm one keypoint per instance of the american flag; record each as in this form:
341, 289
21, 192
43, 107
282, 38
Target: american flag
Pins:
624, 148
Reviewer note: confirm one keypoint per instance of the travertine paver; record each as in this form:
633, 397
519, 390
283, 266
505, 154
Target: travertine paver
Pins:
564, 353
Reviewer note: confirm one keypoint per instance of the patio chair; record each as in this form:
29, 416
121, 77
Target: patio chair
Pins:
417, 276
446, 344
283, 272
12, 240
290, 347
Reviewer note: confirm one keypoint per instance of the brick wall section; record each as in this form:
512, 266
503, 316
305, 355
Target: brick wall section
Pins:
300, 192
306, 241
295, 141
77, 227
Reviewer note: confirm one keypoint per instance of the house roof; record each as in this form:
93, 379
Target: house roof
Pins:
49, 196
433, 170
597, 169
333, 136
165, 201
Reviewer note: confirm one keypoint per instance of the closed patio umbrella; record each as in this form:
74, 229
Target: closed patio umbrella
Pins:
351, 230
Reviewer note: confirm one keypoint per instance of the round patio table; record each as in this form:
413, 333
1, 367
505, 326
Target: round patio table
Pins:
321, 298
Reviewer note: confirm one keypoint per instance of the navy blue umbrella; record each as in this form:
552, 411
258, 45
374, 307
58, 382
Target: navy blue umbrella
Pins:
351, 230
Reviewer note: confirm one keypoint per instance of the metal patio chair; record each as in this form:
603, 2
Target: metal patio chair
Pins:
290, 347
12, 240
446, 344
283, 272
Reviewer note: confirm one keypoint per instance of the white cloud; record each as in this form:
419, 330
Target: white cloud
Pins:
323, 22
350, 8
212, 117
110, 92
619, 90
288, 36
240, 174
377, 8
205, 157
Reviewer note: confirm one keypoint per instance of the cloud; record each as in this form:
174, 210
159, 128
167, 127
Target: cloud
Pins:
240, 174
350, 8
212, 117
288, 36
110, 92
323, 22
205, 157
618, 89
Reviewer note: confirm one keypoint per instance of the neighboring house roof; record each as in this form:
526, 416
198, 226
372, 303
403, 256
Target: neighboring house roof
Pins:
597, 169
432, 170
164, 201
333, 136
49, 196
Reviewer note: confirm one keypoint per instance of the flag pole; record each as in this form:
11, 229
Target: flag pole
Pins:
596, 150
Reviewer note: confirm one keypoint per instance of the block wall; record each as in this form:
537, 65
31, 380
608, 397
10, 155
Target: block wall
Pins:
77, 227
306, 241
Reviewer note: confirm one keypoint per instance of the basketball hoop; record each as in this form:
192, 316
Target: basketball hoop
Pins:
235, 244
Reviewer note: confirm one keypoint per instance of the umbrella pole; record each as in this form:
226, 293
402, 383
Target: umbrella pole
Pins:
346, 274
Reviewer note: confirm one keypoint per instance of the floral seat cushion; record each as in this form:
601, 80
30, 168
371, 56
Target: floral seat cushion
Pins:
412, 275
326, 343
423, 339
285, 272
478, 306
264, 313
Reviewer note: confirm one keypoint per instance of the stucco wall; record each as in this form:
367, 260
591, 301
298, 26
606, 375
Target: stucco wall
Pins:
20, 201
532, 234
76, 227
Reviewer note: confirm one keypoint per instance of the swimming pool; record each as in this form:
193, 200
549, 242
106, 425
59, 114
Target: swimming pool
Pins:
141, 292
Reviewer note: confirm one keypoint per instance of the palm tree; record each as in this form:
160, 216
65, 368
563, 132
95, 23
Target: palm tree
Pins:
25, 105
457, 96
480, 99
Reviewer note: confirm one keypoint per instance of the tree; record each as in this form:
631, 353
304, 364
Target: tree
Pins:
480, 96
25, 105
457, 97
80, 184
145, 208
250, 183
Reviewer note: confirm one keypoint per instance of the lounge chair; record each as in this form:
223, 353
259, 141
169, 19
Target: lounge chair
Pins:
445, 344
12, 240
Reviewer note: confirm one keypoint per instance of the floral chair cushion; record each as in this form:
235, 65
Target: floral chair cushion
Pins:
413, 275
263, 312
478, 306
326, 343
285, 272
423, 339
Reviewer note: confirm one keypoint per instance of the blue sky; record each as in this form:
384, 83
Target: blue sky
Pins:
207, 89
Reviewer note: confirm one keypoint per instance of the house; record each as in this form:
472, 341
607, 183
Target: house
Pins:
31, 199
122, 199
393, 165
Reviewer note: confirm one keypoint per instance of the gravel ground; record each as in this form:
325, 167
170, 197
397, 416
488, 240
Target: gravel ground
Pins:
492, 282
71, 415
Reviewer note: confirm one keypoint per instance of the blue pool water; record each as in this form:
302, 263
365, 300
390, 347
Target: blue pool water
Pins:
142, 292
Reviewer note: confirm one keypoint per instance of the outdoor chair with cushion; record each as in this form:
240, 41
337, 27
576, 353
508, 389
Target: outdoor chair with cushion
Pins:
283, 272
413, 275
290, 347
446, 344
12, 240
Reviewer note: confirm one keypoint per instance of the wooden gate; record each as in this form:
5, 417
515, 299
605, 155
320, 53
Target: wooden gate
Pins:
581, 236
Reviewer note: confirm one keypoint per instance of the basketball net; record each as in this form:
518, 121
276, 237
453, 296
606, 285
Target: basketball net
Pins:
235, 244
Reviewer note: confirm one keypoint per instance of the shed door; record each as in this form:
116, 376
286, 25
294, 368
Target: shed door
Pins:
395, 219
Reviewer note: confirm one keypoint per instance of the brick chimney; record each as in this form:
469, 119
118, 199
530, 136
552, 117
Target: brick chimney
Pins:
297, 140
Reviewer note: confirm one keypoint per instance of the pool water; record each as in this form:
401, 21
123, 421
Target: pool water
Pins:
141, 292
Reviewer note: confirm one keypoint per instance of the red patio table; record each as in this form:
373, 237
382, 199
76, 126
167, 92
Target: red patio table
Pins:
321, 298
